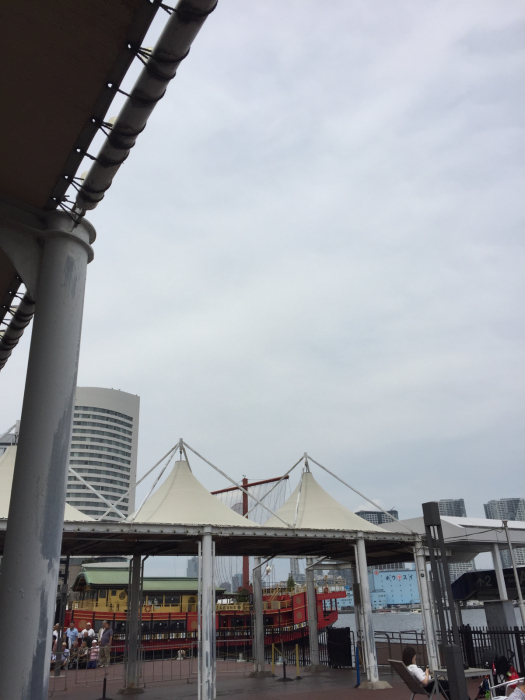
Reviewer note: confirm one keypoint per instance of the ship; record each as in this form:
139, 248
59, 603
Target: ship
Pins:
169, 610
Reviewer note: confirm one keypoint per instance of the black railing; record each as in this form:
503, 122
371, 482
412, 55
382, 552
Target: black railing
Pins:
481, 645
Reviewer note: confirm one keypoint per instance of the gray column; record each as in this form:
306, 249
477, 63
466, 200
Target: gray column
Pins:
311, 602
207, 676
132, 678
34, 532
496, 558
426, 609
358, 612
373, 672
259, 616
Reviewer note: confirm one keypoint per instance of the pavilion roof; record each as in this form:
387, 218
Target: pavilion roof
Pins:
182, 499
7, 466
310, 506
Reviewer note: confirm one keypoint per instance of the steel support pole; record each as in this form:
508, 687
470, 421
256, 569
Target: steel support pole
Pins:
207, 690
258, 665
516, 575
132, 679
370, 647
426, 608
311, 602
36, 514
498, 568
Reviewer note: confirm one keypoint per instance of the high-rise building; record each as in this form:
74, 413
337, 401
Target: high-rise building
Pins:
192, 569
104, 445
294, 569
454, 507
377, 516
508, 509
236, 582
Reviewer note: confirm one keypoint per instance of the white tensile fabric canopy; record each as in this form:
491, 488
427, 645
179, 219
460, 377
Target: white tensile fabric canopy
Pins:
7, 467
318, 510
183, 500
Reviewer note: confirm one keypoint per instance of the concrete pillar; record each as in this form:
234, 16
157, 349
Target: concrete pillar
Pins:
258, 656
496, 558
34, 532
132, 678
207, 622
311, 602
373, 682
426, 608
358, 612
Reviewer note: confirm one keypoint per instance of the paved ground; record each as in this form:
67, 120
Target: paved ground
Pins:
335, 684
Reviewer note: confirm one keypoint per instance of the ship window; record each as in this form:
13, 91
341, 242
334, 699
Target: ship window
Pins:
160, 626
172, 600
119, 627
238, 622
145, 627
113, 592
177, 625
103, 593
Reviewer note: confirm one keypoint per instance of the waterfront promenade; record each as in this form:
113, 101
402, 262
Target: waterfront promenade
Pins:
337, 684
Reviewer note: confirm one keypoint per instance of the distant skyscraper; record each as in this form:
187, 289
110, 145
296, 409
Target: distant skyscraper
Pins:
192, 569
508, 509
454, 507
294, 569
104, 451
377, 517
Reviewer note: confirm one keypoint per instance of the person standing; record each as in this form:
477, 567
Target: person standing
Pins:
71, 634
93, 655
106, 638
87, 634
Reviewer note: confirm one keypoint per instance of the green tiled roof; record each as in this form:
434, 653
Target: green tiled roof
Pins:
119, 578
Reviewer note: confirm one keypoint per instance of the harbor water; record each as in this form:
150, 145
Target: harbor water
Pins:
407, 621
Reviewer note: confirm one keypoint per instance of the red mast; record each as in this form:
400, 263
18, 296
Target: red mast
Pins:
245, 485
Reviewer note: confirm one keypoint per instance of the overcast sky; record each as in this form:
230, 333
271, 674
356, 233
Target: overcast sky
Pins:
317, 244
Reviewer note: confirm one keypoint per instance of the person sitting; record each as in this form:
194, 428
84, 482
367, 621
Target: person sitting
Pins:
83, 655
65, 655
409, 659
73, 655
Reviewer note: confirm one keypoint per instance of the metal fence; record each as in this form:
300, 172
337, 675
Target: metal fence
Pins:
480, 645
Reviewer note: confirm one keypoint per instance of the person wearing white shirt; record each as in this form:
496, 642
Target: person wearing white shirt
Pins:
409, 659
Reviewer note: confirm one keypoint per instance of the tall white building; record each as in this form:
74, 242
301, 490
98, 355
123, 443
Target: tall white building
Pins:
104, 445
508, 509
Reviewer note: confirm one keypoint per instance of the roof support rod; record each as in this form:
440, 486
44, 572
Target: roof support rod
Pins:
285, 476
141, 479
241, 488
359, 493
154, 484
7, 432
88, 486
160, 67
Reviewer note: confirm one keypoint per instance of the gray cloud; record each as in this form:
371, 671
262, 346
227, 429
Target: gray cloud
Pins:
315, 245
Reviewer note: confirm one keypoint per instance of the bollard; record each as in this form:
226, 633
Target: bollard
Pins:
284, 679
297, 677
104, 691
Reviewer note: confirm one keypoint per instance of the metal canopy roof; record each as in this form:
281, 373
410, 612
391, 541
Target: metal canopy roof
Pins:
119, 539
63, 62
466, 537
